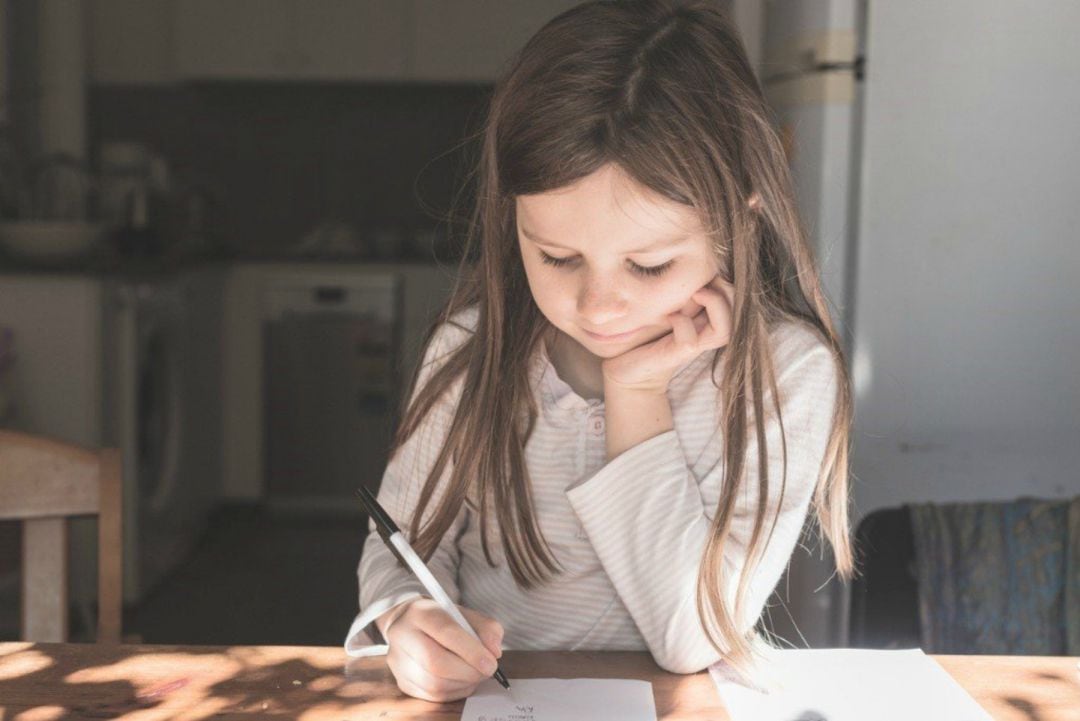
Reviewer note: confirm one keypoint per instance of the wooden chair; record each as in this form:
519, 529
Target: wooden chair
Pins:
44, 483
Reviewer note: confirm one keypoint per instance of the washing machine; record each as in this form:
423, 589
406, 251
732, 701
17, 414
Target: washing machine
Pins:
162, 375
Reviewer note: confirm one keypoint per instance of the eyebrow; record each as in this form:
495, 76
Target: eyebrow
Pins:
660, 244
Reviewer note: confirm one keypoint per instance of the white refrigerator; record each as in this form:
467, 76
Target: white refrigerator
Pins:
936, 158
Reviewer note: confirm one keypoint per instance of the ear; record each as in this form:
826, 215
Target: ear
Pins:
755, 202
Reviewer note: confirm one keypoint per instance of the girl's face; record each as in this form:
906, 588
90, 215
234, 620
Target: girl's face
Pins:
608, 259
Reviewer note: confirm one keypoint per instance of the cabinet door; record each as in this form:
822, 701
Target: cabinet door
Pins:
352, 40
235, 39
292, 39
471, 40
129, 41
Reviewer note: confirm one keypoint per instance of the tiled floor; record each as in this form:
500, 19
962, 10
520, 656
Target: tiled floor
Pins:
259, 578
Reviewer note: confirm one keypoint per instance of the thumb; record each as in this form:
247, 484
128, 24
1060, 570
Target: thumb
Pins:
488, 629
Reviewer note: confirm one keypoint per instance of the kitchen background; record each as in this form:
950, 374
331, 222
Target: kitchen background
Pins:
225, 226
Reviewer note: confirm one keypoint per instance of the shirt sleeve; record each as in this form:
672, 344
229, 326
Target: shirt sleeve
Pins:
645, 516
383, 582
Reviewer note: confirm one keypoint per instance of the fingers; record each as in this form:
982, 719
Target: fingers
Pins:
704, 321
436, 660
685, 331
719, 315
697, 333
440, 626
488, 629
719, 284
415, 680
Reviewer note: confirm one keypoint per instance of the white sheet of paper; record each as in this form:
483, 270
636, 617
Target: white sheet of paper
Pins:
562, 699
848, 685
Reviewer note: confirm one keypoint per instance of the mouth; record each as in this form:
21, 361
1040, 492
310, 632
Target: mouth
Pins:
612, 337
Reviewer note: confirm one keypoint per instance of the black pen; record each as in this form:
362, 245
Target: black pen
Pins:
395, 539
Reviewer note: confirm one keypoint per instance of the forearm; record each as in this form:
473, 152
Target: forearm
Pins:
644, 515
633, 416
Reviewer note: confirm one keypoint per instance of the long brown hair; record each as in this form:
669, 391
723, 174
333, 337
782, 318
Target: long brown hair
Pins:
664, 90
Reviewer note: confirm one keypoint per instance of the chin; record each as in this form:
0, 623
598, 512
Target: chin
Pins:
610, 349
606, 350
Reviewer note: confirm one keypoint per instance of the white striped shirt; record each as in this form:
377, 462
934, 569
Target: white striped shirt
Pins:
628, 533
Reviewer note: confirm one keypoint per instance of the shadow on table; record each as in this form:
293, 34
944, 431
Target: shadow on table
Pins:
1030, 707
46, 681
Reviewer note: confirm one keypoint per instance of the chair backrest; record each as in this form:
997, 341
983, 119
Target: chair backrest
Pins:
44, 483
884, 610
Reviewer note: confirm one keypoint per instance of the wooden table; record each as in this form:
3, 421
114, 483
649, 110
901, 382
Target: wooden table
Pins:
85, 681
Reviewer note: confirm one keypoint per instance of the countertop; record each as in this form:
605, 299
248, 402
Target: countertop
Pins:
151, 267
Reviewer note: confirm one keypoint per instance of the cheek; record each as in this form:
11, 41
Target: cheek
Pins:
551, 292
675, 296
535, 274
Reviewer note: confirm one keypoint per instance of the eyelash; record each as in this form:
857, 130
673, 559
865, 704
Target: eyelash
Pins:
648, 272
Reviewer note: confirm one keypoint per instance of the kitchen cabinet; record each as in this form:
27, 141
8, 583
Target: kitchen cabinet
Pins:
234, 39
129, 42
167, 41
290, 39
471, 40
349, 40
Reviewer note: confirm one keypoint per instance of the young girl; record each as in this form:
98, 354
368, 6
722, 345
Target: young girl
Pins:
632, 400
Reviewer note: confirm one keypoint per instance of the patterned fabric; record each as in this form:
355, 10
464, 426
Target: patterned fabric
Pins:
628, 533
999, 578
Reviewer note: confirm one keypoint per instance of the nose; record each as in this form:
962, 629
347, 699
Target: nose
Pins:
601, 303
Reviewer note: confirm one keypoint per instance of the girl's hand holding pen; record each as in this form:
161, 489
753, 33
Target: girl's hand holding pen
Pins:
432, 657
703, 324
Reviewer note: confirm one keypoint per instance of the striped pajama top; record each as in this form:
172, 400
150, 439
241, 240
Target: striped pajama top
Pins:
628, 533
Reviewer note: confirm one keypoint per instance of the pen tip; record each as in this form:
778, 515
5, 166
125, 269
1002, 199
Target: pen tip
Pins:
501, 678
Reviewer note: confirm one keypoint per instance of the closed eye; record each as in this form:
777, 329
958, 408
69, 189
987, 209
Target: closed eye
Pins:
645, 271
